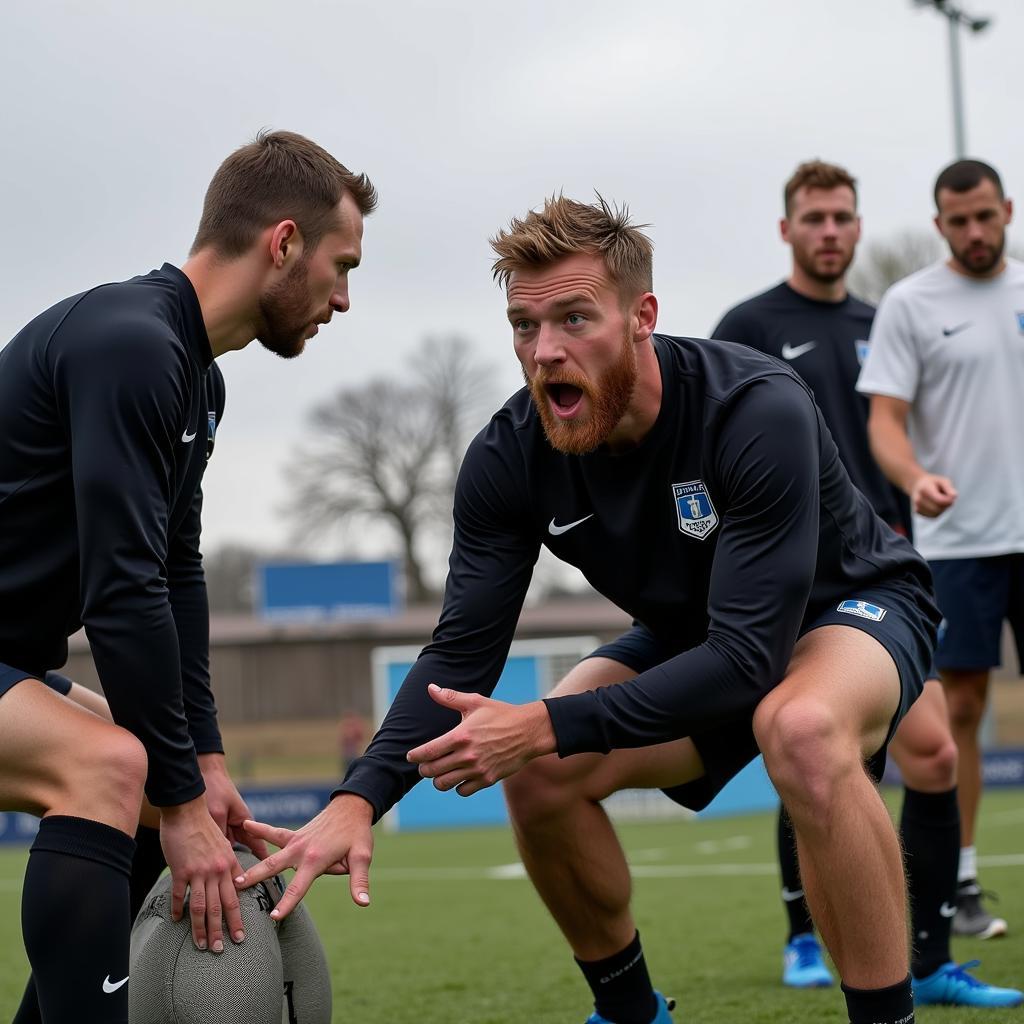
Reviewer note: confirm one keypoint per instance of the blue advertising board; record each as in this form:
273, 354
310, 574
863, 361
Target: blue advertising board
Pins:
327, 590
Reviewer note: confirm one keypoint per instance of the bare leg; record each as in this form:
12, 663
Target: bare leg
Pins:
815, 729
567, 843
967, 693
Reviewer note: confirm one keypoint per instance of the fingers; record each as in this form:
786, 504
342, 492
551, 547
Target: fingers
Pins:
280, 837
267, 868
178, 886
359, 876
436, 749
197, 912
232, 910
297, 888
237, 834
454, 699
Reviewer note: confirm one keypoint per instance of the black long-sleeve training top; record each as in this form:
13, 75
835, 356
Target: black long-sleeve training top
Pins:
729, 527
825, 343
109, 403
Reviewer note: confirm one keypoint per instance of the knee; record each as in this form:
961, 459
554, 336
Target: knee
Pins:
966, 707
932, 770
805, 750
537, 792
105, 777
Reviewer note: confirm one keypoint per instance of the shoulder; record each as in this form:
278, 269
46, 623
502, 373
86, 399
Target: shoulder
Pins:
720, 368
747, 316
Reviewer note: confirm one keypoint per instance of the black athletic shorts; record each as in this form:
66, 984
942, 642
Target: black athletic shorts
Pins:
975, 595
10, 676
899, 614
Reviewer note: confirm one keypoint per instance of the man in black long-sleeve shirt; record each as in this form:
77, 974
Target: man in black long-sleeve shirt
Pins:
109, 405
695, 485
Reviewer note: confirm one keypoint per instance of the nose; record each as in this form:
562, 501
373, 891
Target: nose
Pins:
548, 350
339, 299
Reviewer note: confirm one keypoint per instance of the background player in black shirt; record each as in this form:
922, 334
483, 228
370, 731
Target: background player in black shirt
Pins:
811, 322
109, 403
695, 485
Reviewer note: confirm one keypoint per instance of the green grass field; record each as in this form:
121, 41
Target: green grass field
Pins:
457, 936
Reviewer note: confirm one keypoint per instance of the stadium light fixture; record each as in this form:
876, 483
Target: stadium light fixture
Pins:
956, 16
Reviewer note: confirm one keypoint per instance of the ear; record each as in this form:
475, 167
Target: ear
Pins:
859, 227
937, 221
784, 229
1008, 206
646, 317
285, 243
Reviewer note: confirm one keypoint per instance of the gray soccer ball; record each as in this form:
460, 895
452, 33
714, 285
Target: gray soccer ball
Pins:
278, 975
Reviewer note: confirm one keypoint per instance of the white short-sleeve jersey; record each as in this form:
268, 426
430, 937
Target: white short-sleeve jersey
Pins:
953, 347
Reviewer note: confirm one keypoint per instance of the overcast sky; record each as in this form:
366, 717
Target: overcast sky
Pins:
465, 113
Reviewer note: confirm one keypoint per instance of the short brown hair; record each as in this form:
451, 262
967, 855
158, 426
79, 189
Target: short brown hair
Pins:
963, 175
279, 176
817, 174
564, 227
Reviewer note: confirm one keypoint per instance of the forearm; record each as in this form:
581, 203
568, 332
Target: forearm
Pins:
891, 447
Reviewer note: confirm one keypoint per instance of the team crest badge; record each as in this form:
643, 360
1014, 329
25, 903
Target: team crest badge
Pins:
862, 609
863, 347
697, 516
1020, 320
211, 433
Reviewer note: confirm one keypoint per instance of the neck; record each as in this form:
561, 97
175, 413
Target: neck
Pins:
227, 291
811, 288
645, 404
954, 264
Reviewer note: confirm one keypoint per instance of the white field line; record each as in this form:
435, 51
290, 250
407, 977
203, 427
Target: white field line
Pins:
516, 871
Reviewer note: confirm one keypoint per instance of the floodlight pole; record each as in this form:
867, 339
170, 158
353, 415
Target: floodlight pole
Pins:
956, 16
956, 80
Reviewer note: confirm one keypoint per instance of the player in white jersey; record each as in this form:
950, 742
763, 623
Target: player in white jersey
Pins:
946, 375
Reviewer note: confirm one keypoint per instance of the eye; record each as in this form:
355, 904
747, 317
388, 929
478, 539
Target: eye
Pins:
521, 326
575, 319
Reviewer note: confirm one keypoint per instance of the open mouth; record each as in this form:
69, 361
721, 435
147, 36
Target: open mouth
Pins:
565, 399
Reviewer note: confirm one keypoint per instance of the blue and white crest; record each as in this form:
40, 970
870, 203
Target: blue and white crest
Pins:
863, 609
696, 514
1020, 320
863, 347
211, 433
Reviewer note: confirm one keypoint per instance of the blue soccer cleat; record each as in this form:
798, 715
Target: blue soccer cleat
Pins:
661, 1017
951, 985
803, 966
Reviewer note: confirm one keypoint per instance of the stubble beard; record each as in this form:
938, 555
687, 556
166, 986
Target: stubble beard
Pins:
807, 265
284, 312
608, 401
995, 254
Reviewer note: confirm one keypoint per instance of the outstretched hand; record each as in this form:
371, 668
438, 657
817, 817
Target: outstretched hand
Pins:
338, 841
493, 740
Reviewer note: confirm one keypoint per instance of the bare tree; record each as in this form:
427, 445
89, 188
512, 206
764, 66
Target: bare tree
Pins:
387, 452
231, 574
881, 264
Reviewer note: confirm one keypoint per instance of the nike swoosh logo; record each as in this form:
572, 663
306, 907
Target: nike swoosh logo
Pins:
112, 986
789, 895
947, 911
950, 331
793, 351
555, 530
186, 437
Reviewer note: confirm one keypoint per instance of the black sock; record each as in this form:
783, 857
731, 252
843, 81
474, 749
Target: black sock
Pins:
930, 826
621, 986
892, 1005
147, 866
28, 1011
797, 911
74, 917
